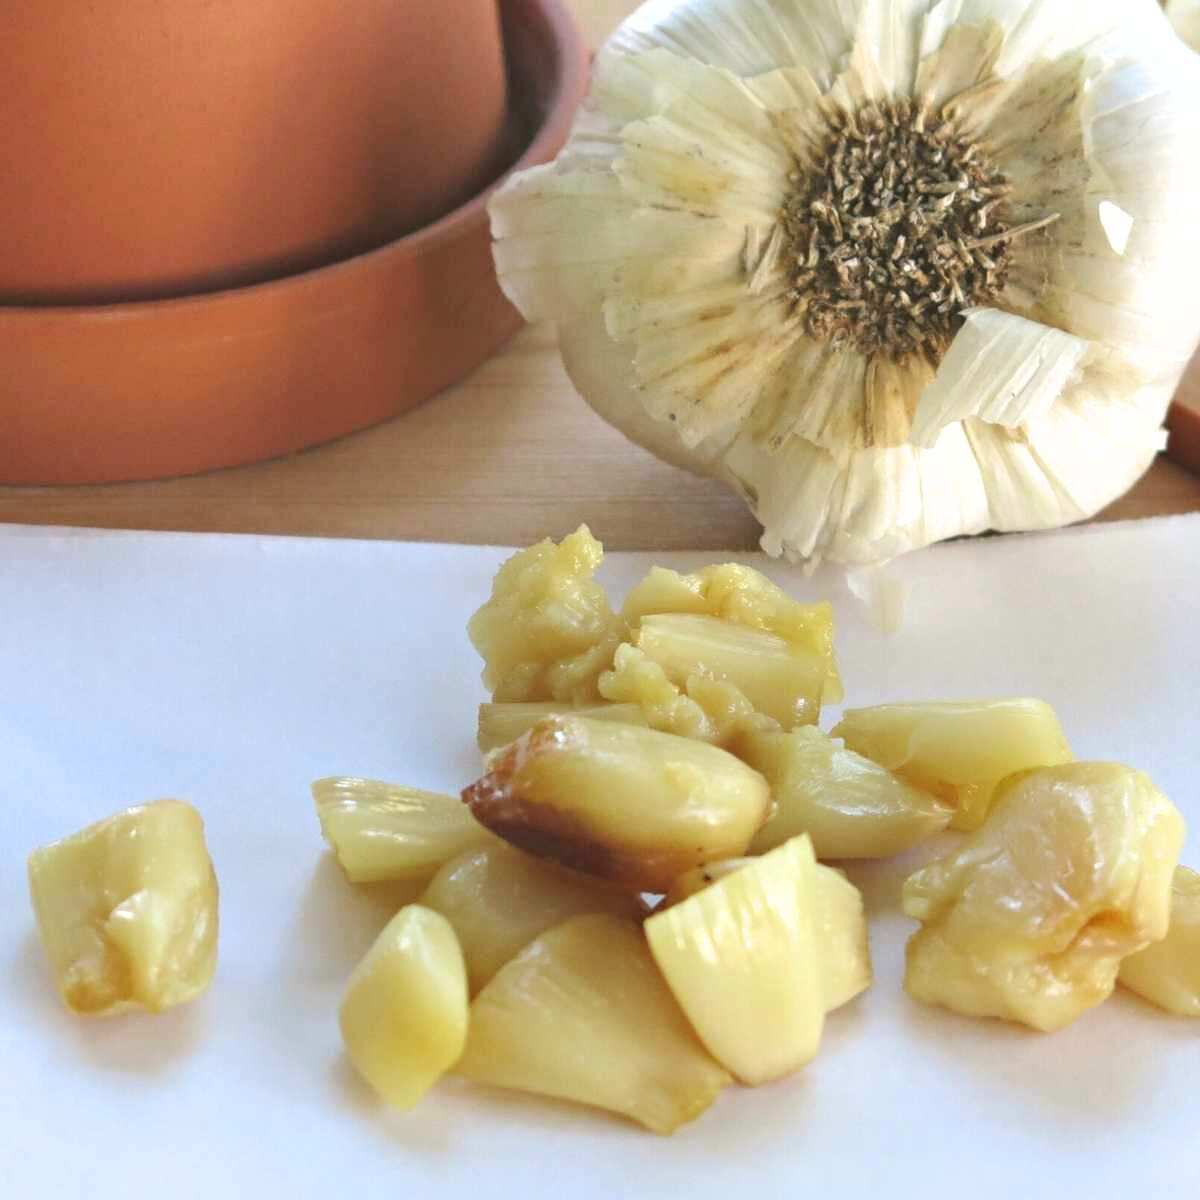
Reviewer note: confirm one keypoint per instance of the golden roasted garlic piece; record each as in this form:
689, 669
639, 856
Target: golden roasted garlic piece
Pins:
702, 707
631, 805
849, 806
499, 899
404, 1015
127, 910
1168, 972
781, 681
500, 724
745, 597
583, 1014
743, 959
548, 631
384, 831
1030, 918
958, 749
841, 926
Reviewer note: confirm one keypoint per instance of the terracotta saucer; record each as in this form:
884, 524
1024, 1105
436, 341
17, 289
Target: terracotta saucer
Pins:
144, 390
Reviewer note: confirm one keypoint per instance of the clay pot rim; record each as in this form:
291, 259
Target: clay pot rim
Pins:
569, 76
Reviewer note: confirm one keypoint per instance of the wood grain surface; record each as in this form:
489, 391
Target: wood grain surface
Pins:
510, 456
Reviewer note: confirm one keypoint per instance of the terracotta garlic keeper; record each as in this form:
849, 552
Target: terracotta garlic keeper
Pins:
141, 389
166, 147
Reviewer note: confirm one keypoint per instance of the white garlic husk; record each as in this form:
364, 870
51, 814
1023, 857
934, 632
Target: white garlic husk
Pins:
1184, 15
986, 334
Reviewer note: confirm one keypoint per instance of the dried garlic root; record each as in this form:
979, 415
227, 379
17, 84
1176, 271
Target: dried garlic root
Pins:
627, 804
850, 806
1032, 916
583, 1014
1168, 972
743, 960
957, 750
404, 1015
127, 910
840, 923
384, 831
500, 724
499, 899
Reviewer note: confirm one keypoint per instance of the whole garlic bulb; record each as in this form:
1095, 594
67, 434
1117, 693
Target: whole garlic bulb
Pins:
896, 270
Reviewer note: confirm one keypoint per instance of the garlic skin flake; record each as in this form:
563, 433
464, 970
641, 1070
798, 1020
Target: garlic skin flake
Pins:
895, 270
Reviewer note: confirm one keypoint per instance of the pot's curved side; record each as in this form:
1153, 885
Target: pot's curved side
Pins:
140, 391
161, 148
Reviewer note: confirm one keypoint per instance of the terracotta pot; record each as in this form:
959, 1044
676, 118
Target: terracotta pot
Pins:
162, 147
1184, 446
135, 391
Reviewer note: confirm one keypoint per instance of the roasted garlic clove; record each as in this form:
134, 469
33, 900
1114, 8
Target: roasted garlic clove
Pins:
583, 1014
499, 899
1167, 973
743, 959
780, 680
127, 910
745, 597
404, 1015
849, 806
631, 805
547, 631
841, 925
842, 937
958, 750
702, 707
384, 831
500, 724
1030, 918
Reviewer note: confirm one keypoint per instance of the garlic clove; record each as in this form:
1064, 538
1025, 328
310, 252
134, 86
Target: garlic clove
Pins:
500, 724
404, 1015
850, 806
499, 900
744, 959
583, 1014
1167, 973
381, 832
839, 924
959, 750
1030, 918
623, 803
547, 631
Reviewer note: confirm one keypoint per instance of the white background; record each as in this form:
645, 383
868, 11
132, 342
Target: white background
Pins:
234, 671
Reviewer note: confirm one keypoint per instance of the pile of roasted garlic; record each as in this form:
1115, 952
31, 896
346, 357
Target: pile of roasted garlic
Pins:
631, 907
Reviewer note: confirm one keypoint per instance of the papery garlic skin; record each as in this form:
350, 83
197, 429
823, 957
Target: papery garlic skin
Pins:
1184, 15
689, 316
